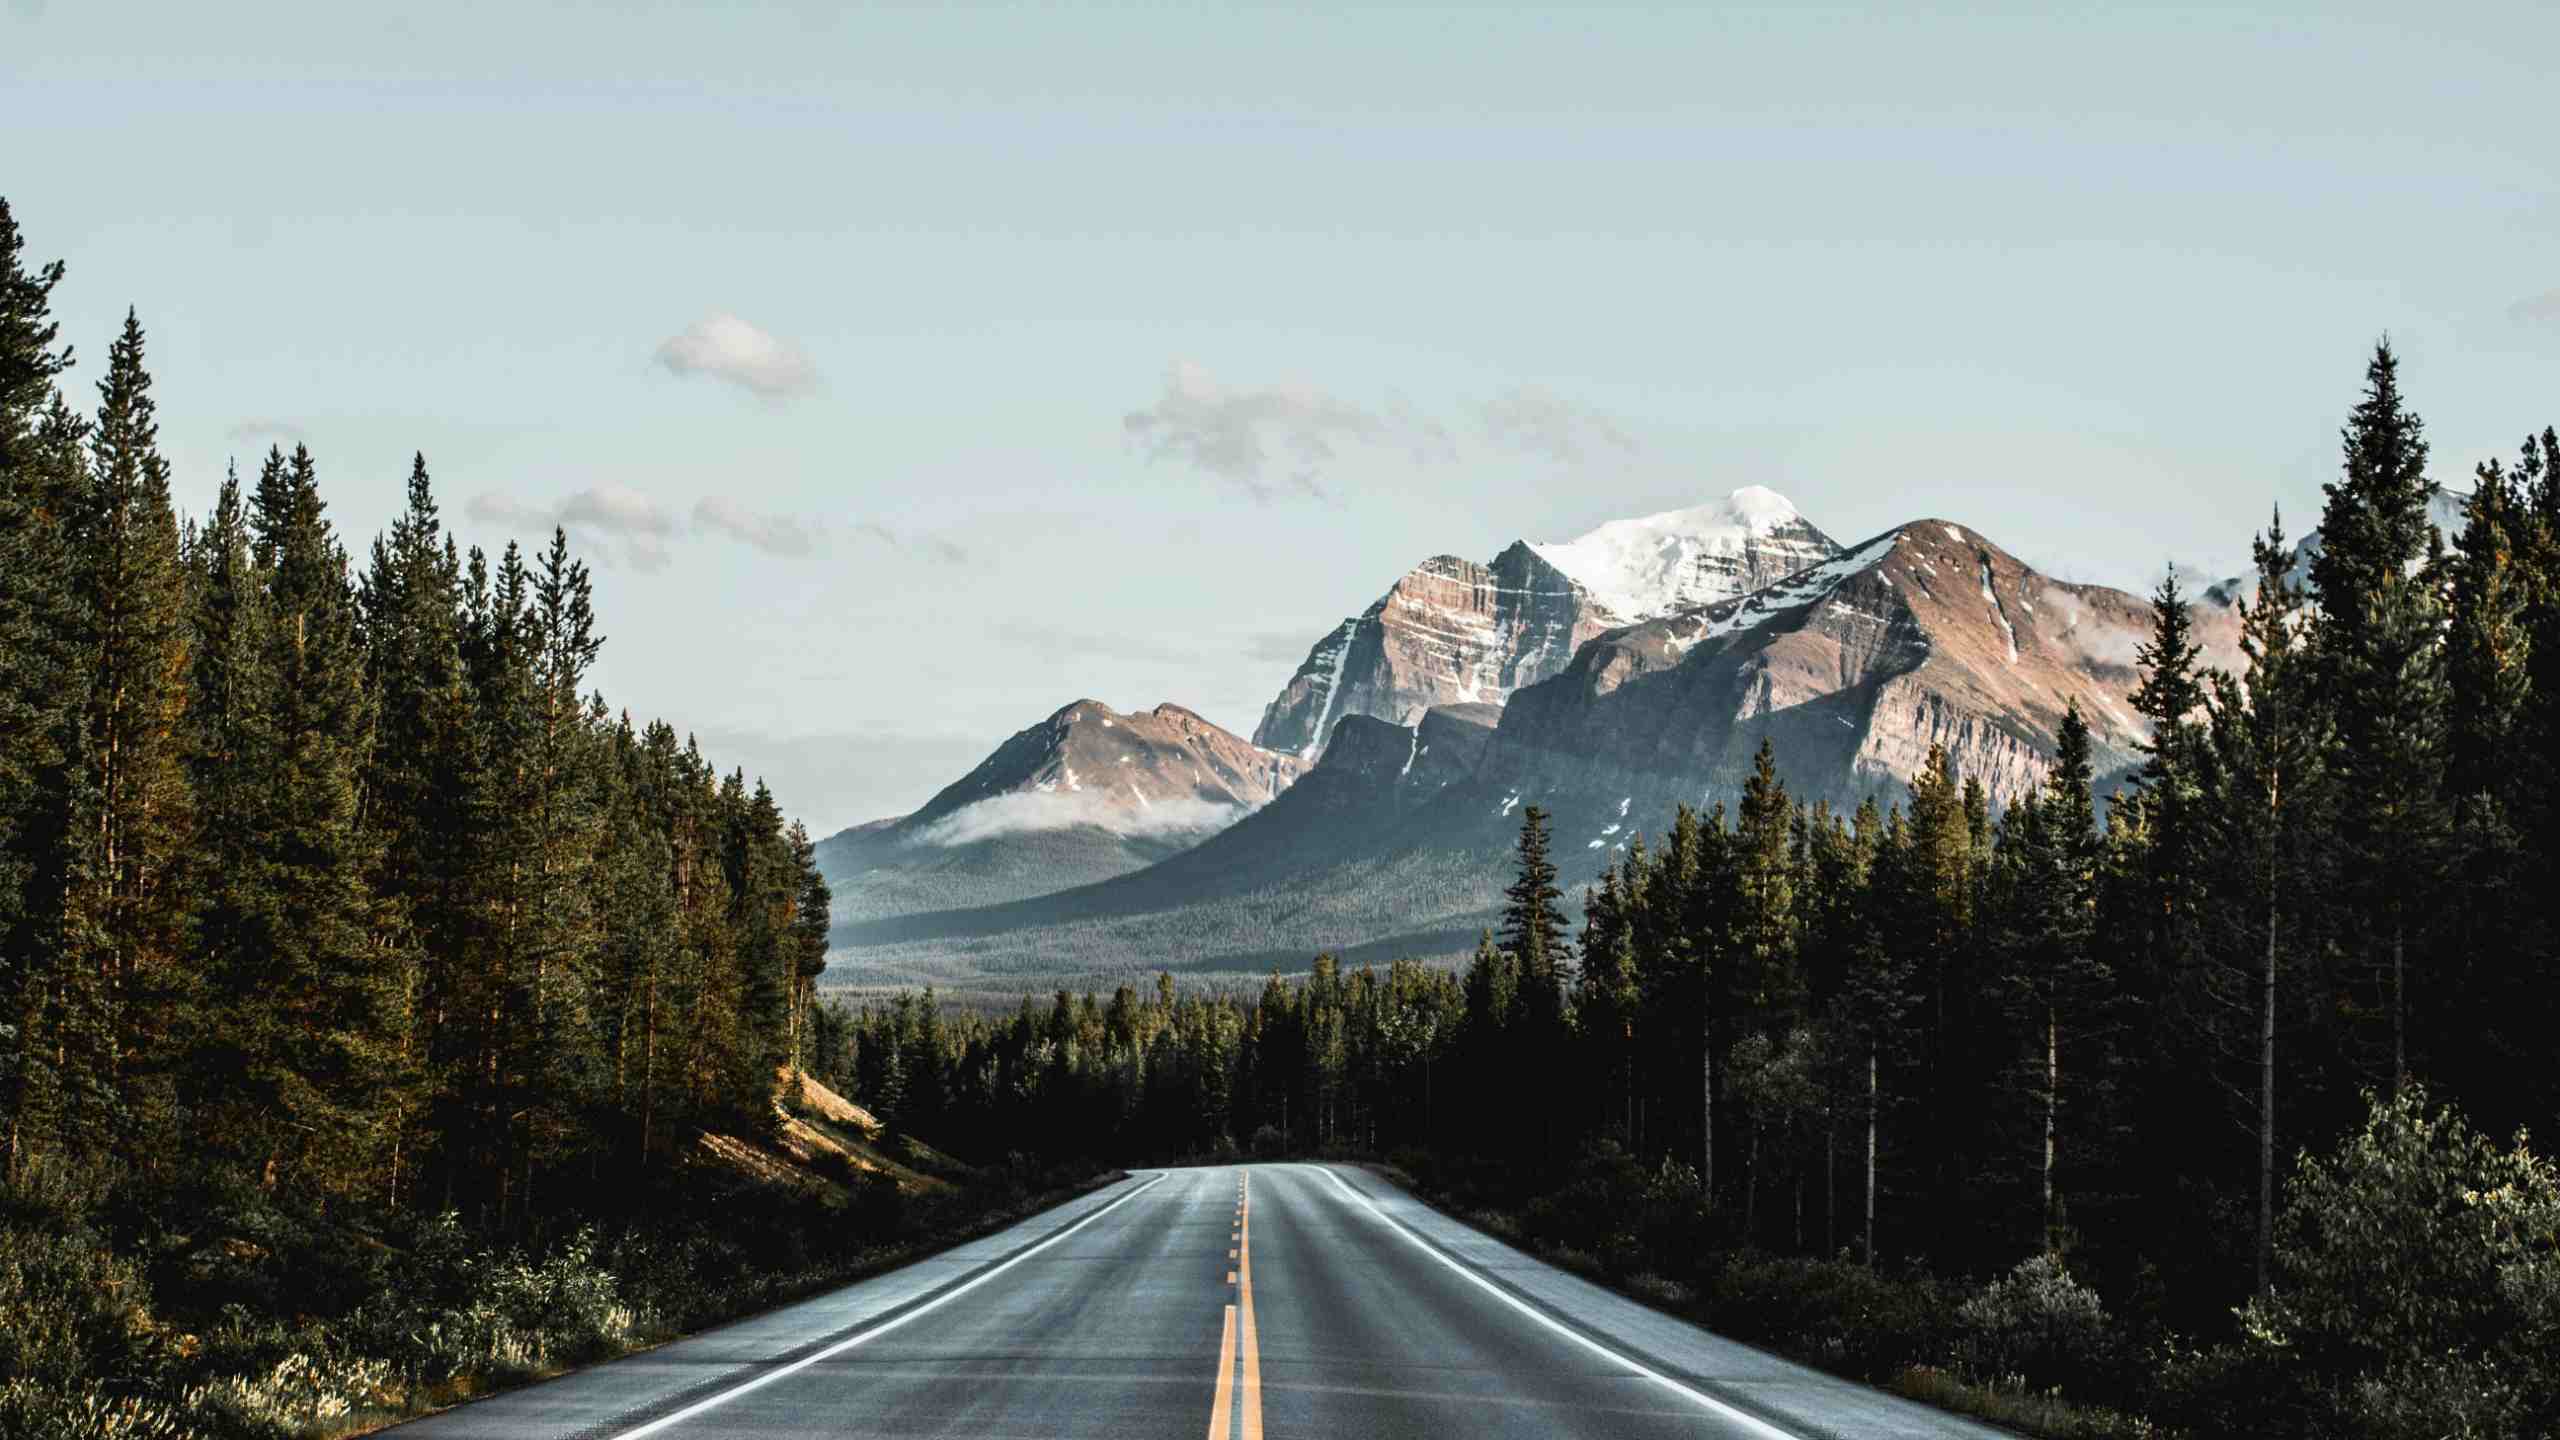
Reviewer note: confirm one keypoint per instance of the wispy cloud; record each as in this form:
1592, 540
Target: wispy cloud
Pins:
249, 432
1271, 438
932, 546
615, 522
1017, 814
623, 525
772, 534
1534, 420
2543, 308
724, 347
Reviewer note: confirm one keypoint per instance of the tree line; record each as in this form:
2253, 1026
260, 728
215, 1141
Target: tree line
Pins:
332, 875
2099, 1019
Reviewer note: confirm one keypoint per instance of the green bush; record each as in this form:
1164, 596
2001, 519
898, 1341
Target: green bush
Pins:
469, 1311
70, 1309
30, 1411
299, 1395
1841, 1313
2417, 1283
2035, 1322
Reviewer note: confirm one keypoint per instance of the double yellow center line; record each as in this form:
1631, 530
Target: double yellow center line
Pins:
1230, 1419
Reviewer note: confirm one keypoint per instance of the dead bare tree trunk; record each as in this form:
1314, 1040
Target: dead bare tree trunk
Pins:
1871, 1156
2052, 1101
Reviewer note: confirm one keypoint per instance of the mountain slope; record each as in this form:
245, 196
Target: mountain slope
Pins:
1084, 795
1355, 845
1927, 634
1397, 842
1452, 631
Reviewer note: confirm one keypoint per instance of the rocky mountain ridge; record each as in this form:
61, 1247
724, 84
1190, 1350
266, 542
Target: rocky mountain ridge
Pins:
1452, 631
1395, 841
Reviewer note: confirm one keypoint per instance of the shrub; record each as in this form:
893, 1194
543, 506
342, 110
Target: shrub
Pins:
2417, 1282
1583, 1214
29, 1411
486, 1313
1268, 1144
1843, 1314
2037, 1322
300, 1395
70, 1310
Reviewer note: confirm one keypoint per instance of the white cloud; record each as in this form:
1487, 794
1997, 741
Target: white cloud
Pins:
725, 347
772, 534
248, 431
1233, 433
1020, 814
610, 520
1534, 420
2544, 307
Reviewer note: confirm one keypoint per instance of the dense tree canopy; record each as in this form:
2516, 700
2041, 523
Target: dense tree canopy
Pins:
339, 882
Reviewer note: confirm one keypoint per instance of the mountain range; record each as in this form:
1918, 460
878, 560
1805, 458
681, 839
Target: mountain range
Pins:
1607, 679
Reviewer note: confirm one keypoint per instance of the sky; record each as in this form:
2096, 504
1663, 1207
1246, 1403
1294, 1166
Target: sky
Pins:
908, 373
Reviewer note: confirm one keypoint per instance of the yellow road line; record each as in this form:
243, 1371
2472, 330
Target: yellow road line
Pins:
1218, 1408
1252, 1347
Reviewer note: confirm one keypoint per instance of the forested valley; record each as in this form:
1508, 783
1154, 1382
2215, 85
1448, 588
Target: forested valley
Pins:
371, 992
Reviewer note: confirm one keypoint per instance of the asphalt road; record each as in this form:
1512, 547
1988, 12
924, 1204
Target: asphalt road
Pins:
1236, 1303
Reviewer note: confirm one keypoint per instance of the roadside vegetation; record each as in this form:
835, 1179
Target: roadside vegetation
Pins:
224, 1311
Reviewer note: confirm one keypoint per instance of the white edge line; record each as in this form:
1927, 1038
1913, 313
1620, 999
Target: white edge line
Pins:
876, 1331
1745, 1418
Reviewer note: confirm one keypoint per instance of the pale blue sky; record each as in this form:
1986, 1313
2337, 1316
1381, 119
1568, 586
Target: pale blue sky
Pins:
2098, 287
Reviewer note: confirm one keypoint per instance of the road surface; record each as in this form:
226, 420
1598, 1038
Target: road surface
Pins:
1233, 1303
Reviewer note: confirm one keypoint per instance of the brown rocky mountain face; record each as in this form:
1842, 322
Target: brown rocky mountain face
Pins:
1165, 768
1454, 632
1926, 635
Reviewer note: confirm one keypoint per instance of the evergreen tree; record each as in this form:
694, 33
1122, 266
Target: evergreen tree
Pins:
2056, 982
2269, 735
29, 359
1533, 929
1879, 972
1533, 932
1934, 916
42, 692
1610, 999
414, 807
126, 929
2379, 638
811, 903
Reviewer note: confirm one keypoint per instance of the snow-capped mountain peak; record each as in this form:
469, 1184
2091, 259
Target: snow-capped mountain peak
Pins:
1655, 564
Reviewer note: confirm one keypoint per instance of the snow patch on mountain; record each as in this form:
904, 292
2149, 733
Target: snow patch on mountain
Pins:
1793, 593
1998, 611
1651, 565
